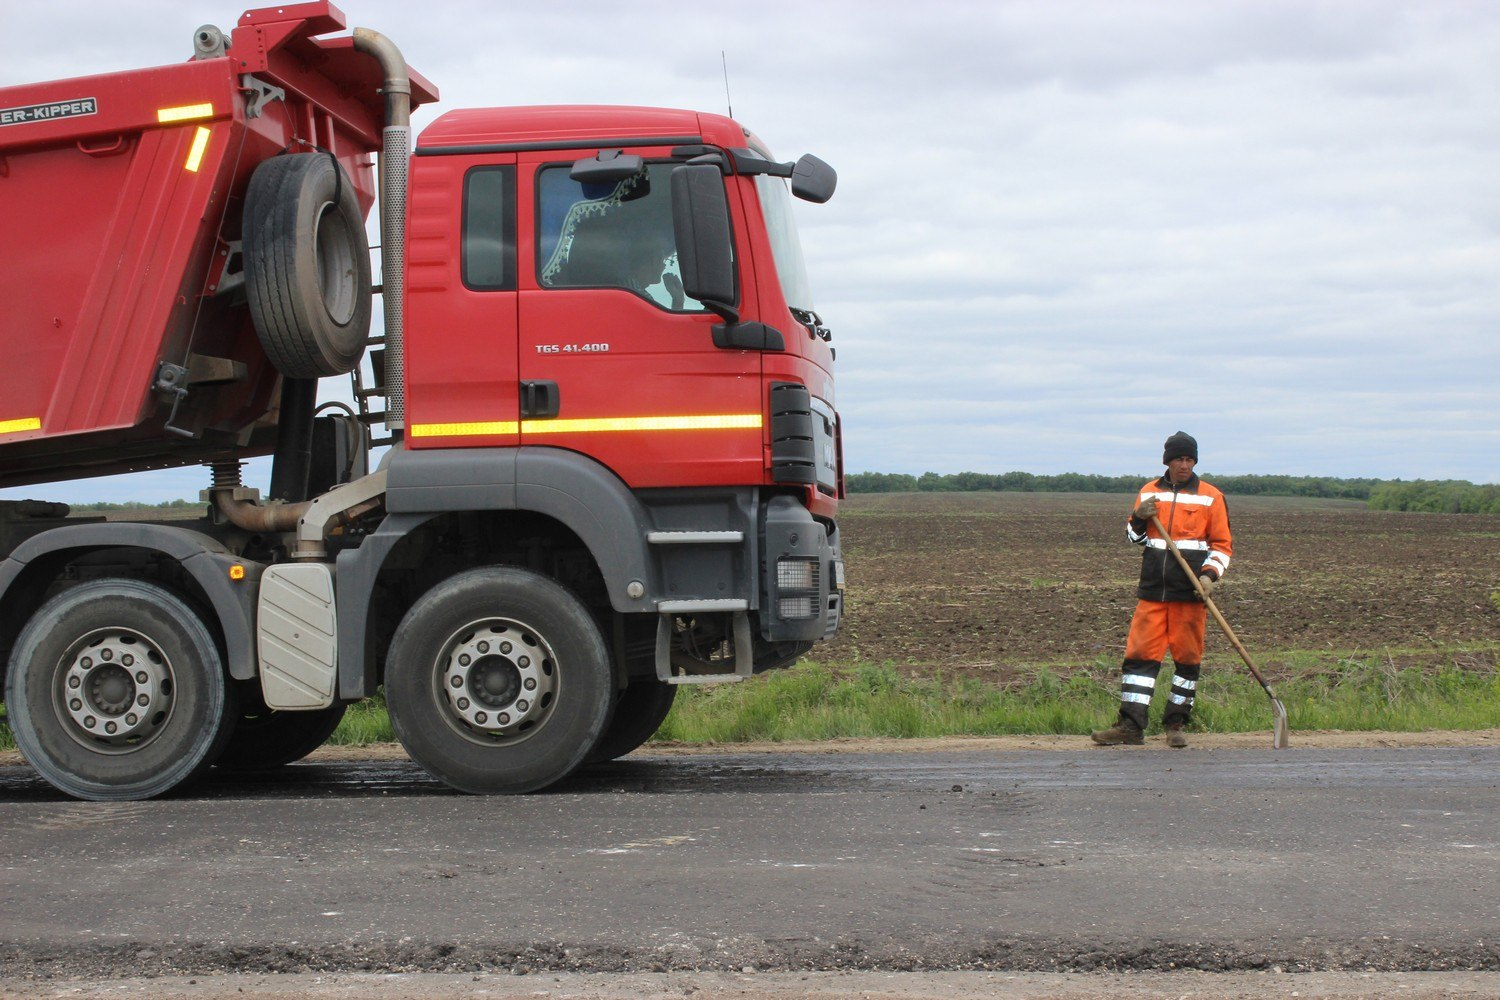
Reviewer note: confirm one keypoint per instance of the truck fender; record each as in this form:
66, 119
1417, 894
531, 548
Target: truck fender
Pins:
232, 602
576, 491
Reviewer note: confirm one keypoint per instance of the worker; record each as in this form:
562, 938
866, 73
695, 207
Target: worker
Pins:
1169, 615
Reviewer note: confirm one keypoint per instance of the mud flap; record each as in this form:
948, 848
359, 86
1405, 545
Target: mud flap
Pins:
295, 633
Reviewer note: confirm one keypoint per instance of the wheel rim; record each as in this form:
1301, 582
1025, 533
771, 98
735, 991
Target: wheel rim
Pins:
498, 681
337, 281
115, 690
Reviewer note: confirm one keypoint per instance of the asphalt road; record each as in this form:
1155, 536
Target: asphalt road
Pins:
1112, 860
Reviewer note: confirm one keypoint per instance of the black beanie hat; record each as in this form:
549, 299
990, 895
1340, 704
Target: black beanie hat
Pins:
1178, 445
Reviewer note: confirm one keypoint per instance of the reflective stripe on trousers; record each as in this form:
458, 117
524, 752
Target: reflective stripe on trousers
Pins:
1138, 681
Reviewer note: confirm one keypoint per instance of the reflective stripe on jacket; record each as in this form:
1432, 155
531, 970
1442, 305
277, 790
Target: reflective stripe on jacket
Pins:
1196, 515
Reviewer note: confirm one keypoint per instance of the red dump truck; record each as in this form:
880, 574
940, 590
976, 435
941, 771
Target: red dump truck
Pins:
614, 458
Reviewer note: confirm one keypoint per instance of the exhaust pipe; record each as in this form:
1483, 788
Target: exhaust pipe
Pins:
395, 149
240, 507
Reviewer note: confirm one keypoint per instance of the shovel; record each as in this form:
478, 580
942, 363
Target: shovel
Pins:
1280, 738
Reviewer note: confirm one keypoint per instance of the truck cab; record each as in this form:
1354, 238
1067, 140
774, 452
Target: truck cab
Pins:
564, 300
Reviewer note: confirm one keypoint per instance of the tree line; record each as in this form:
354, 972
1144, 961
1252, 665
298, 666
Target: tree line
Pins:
101, 506
1450, 496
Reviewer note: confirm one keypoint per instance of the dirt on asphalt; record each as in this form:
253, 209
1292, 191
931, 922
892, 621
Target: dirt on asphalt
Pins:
1324, 739
752, 985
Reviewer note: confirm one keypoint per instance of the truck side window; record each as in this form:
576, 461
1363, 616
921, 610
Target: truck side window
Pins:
610, 236
489, 229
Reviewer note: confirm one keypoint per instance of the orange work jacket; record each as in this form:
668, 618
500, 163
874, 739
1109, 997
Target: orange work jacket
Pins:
1196, 515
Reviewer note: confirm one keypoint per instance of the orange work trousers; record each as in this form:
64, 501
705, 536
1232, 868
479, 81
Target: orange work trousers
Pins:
1159, 626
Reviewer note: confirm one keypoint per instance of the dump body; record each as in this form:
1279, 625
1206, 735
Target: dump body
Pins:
120, 208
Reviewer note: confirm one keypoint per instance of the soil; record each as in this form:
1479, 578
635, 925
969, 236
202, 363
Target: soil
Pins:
987, 584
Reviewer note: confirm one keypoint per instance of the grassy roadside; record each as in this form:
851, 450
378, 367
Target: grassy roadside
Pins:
818, 701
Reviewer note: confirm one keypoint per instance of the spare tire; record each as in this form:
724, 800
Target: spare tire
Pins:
307, 265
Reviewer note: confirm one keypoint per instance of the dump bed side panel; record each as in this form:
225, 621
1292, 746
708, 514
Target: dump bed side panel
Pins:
111, 232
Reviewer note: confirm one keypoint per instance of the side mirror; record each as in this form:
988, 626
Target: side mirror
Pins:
610, 167
705, 249
813, 180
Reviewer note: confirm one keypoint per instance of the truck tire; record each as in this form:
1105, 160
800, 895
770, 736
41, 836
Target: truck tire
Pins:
117, 691
307, 265
498, 681
264, 738
639, 713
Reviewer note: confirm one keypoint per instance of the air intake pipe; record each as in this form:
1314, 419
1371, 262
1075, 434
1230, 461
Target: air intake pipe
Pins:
395, 149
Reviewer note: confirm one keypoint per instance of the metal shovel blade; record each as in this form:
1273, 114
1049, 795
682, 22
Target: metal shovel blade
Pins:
1282, 733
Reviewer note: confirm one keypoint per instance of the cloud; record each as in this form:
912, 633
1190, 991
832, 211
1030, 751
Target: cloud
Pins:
1062, 230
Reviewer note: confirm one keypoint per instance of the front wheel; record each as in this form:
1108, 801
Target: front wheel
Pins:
498, 681
116, 690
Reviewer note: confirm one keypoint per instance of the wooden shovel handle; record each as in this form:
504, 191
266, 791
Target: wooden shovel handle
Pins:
1213, 609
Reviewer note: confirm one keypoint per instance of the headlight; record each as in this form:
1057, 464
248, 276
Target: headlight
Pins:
796, 574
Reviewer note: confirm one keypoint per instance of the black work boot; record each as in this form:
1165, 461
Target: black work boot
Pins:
1175, 739
1124, 732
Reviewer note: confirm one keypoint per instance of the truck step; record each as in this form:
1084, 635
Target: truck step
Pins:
702, 606
695, 537
744, 656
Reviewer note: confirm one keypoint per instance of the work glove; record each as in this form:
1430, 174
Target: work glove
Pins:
1146, 510
1208, 584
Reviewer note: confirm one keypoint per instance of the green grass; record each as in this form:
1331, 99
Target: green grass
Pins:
816, 701
365, 723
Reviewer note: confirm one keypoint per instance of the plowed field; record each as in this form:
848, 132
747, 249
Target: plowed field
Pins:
983, 584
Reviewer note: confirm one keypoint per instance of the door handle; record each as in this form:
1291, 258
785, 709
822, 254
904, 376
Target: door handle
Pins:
540, 399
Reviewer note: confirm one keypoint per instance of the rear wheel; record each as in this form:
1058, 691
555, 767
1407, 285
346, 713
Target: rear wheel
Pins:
498, 680
639, 713
117, 691
265, 738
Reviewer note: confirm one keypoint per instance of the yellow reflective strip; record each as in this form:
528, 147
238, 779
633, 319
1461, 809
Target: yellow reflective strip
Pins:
23, 424
704, 422
476, 429
200, 145
186, 113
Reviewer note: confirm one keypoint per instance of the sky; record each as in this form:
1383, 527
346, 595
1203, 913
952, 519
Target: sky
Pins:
1063, 230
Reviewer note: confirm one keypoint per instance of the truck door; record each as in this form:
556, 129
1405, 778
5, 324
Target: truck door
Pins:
614, 361
461, 379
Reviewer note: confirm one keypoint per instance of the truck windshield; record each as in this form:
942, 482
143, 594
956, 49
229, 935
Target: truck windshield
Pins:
776, 205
